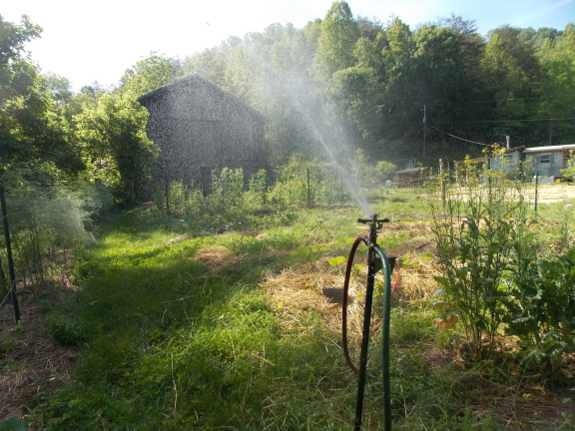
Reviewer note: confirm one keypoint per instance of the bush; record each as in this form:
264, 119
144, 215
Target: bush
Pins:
541, 308
42, 223
473, 229
569, 172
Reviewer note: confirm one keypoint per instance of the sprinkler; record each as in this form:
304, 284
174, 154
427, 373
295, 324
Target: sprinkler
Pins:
376, 260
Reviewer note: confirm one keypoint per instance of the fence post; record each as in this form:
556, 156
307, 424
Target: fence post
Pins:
442, 180
9, 254
536, 187
308, 189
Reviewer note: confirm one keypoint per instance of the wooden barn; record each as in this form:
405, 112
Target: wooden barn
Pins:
201, 128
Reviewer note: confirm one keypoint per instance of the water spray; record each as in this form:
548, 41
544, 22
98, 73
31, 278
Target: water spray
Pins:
377, 260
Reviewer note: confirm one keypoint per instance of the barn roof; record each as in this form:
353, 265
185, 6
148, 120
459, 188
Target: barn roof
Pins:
191, 81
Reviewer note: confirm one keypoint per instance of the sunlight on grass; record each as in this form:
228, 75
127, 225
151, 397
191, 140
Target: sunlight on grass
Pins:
177, 331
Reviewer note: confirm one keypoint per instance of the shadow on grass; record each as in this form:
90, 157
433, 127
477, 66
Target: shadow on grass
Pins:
170, 342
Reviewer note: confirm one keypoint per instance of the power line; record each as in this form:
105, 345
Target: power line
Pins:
511, 121
565, 96
460, 138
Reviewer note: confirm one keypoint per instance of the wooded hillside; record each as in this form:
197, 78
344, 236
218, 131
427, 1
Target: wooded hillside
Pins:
439, 90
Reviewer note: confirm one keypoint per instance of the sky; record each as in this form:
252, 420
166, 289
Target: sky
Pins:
97, 40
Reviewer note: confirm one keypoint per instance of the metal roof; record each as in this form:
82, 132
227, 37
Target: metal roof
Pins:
549, 148
411, 170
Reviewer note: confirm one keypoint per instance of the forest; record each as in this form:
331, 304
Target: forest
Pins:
207, 311
398, 94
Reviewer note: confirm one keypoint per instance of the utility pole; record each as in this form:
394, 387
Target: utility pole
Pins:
424, 130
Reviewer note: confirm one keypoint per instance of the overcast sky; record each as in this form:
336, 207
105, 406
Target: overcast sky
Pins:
87, 41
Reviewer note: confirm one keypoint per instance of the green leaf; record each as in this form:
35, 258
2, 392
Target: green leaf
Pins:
442, 280
13, 424
6, 346
335, 261
346, 240
304, 251
441, 306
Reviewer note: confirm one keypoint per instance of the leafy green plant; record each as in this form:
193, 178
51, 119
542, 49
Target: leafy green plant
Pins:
66, 330
256, 195
43, 225
542, 308
569, 171
385, 169
7, 341
13, 424
226, 191
472, 230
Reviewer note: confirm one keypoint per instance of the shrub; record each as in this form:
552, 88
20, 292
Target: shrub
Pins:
541, 308
227, 190
43, 222
569, 172
473, 230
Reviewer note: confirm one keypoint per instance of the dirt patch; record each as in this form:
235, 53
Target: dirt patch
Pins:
34, 362
552, 193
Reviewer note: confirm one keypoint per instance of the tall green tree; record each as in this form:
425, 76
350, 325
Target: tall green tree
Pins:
512, 75
338, 36
32, 142
557, 89
116, 148
149, 74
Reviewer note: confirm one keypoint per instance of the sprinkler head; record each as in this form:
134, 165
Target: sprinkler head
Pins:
374, 221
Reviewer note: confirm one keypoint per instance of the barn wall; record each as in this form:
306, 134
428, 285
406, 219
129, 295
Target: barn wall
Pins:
200, 128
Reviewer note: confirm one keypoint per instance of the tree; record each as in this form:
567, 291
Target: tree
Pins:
33, 143
511, 74
557, 90
336, 42
116, 148
149, 74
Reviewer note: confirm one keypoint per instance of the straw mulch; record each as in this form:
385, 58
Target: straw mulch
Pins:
35, 363
296, 291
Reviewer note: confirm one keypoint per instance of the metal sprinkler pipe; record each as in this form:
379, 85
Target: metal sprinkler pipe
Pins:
374, 251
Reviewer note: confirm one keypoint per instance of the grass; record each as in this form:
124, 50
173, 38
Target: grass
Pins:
230, 331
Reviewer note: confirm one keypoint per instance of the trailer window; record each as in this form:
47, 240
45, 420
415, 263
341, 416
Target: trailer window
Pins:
546, 158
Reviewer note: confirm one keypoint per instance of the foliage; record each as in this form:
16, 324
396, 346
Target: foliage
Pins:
32, 141
569, 171
45, 225
472, 230
256, 195
226, 191
13, 424
149, 74
495, 274
541, 308
338, 34
385, 169
116, 148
